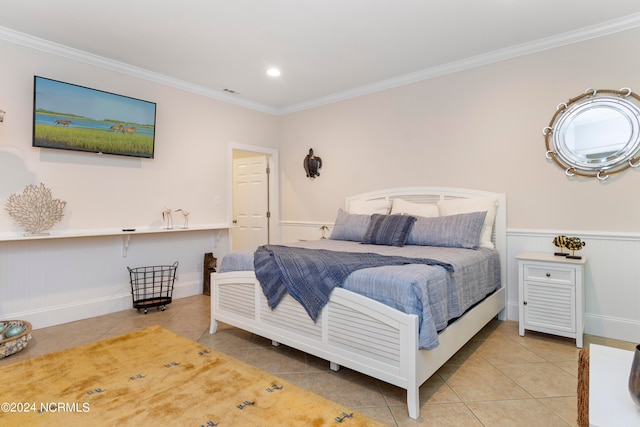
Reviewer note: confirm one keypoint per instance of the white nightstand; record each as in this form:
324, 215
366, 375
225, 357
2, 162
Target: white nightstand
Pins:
551, 294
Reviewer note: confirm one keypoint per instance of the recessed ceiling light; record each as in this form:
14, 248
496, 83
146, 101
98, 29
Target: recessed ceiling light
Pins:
273, 72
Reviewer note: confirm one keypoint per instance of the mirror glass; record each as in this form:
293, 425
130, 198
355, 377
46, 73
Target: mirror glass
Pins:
595, 135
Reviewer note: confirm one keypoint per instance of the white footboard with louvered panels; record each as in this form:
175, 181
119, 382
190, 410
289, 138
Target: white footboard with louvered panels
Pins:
355, 331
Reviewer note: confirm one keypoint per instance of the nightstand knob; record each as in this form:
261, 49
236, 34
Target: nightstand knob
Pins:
548, 274
524, 302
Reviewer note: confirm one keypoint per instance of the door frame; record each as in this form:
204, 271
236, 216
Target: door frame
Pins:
274, 185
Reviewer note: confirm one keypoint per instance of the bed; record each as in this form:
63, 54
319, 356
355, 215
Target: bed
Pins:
360, 332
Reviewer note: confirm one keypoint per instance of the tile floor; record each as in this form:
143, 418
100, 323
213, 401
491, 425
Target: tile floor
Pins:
498, 379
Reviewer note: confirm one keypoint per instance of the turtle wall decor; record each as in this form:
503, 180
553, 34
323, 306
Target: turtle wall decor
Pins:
311, 164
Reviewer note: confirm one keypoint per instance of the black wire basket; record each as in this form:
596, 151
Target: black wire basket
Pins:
152, 286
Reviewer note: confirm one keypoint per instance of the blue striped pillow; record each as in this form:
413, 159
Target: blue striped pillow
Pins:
454, 231
390, 230
350, 226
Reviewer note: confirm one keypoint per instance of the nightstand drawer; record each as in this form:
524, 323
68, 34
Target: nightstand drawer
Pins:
549, 274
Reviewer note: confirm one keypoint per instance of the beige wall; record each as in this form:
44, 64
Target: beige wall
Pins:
189, 171
480, 128
56, 281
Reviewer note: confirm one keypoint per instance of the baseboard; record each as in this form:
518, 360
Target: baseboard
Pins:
79, 310
513, 311
612, 327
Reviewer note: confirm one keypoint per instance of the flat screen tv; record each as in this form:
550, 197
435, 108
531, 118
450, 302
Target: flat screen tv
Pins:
72, 117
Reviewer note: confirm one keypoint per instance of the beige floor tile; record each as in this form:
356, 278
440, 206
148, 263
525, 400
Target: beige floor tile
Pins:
193, 335
491, 381
92, 326
348, 388
277, 360
565, 407
541, 379
552, 348
380, 413
134, 323
315, 364
301, 379
504, 350
481, 382
434, 390
39, 346
498, 329
570, 367
468, 354
515, 413
228, 340
438, 415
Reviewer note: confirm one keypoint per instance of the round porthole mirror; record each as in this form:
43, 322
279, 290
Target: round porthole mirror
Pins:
596, 134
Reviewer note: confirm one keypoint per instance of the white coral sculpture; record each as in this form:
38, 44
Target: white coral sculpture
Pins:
35, 209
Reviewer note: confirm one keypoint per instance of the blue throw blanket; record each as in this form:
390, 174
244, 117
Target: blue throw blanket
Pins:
310, 275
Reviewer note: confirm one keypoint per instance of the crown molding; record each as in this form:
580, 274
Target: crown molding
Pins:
564, 39
52, 48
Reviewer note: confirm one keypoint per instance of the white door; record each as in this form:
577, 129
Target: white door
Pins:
250, 201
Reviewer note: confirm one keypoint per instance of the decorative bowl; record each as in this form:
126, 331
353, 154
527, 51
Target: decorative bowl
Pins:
9, 346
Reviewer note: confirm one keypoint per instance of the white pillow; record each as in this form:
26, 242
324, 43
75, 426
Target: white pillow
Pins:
428, 210
459, 206
369, 207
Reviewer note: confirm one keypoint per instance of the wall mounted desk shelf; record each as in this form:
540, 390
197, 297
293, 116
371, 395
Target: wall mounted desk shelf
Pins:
126, 235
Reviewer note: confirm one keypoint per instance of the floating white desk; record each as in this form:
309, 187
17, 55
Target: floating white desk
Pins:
610, 404
126, 233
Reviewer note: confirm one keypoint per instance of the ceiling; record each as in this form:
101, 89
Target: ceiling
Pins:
327, 50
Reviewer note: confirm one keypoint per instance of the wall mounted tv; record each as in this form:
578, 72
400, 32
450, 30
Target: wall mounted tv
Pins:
72, 117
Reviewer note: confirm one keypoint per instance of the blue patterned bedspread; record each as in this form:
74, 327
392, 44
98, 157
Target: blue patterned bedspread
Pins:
432, 293
309, 275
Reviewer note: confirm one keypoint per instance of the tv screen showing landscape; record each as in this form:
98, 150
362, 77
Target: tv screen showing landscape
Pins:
71, 117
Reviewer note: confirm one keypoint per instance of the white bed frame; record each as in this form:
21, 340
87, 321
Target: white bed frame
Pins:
355, 331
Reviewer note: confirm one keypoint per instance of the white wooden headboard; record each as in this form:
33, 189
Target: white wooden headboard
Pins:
434, 194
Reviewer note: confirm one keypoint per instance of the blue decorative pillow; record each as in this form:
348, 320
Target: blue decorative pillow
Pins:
455, 231
390, 230
350, 226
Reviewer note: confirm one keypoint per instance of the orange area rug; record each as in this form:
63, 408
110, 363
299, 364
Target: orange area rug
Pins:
155, 377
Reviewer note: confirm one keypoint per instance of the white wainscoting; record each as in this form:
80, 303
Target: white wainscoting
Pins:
53, 281
612, 278
292, 231
612, 273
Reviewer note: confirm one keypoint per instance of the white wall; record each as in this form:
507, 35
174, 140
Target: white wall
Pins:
49, 282
481, 129
190, 166
54, 281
